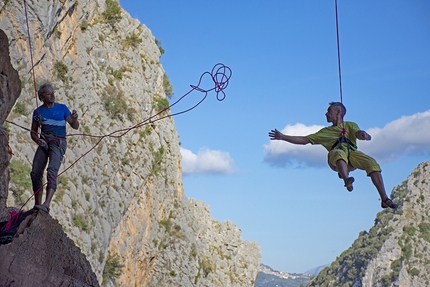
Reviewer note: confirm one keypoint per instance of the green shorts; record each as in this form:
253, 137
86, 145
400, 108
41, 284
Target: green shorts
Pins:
357, 159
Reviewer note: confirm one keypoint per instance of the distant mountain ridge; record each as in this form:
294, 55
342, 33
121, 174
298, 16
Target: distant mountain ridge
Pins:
316, 270
268, 277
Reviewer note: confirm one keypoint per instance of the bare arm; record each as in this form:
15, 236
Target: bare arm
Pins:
362, 135
35, 134
277, 135
73, 120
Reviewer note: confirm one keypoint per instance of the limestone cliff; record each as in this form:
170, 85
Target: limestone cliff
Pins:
10, 89
394, 252
123, 203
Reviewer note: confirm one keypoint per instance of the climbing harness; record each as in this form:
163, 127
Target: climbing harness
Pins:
349, 144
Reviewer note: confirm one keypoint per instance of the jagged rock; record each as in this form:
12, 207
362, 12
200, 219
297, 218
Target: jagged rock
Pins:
10, 84
43, 255
4, 173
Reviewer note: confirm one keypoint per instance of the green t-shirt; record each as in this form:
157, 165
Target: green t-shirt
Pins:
328, 136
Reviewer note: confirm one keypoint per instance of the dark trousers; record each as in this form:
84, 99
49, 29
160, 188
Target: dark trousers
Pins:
52, 154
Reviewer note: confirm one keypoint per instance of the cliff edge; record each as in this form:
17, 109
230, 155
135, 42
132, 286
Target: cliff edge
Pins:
41, 254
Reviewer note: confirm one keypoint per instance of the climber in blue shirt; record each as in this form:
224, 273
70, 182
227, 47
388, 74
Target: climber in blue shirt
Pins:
50, 118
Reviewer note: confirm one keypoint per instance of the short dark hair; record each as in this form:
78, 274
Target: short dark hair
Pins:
339, 105
40, 91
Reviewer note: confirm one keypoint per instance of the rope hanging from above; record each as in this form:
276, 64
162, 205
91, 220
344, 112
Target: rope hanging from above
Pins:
338, 65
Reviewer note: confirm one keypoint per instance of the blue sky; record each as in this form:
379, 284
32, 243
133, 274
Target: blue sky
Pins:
283, 59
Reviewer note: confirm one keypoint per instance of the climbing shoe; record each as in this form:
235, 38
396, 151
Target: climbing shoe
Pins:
388, 203
348, 183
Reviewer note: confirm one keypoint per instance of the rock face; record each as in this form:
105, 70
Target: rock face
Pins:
122, 203
395, 250
10, 89
10, 84
43, 255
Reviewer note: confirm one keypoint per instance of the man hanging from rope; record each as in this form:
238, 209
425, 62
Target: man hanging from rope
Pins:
51, 118
343, 157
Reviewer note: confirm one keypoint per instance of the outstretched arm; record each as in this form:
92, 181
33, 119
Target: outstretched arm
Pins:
362, 135
277, 135
73, 120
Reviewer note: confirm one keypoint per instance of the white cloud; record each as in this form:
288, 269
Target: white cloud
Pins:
206, 161
409, 135
281, 153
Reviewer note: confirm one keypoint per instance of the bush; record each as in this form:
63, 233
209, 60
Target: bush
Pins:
410, 230
84, 26
113, 268
146, 132
115, 104
117, 74
166, 223
168, 89
20, 108
133, 40
414, 271
61, 70
159, 46
20, 175
112, 13
79, 221
407, 251
161, 104
158, 159
425, 231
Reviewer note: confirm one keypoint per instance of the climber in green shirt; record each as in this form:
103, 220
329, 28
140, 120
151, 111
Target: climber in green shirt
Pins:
343, 155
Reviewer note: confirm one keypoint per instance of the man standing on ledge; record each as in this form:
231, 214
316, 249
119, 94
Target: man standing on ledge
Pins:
50, 118
340, 141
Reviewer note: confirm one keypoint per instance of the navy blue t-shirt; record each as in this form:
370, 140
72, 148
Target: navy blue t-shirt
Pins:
52, 120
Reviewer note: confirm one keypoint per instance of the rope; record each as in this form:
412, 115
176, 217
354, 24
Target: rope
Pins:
220, 75
338, 65
31, 53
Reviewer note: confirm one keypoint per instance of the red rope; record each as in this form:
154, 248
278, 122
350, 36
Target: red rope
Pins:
31, 53
220, 75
